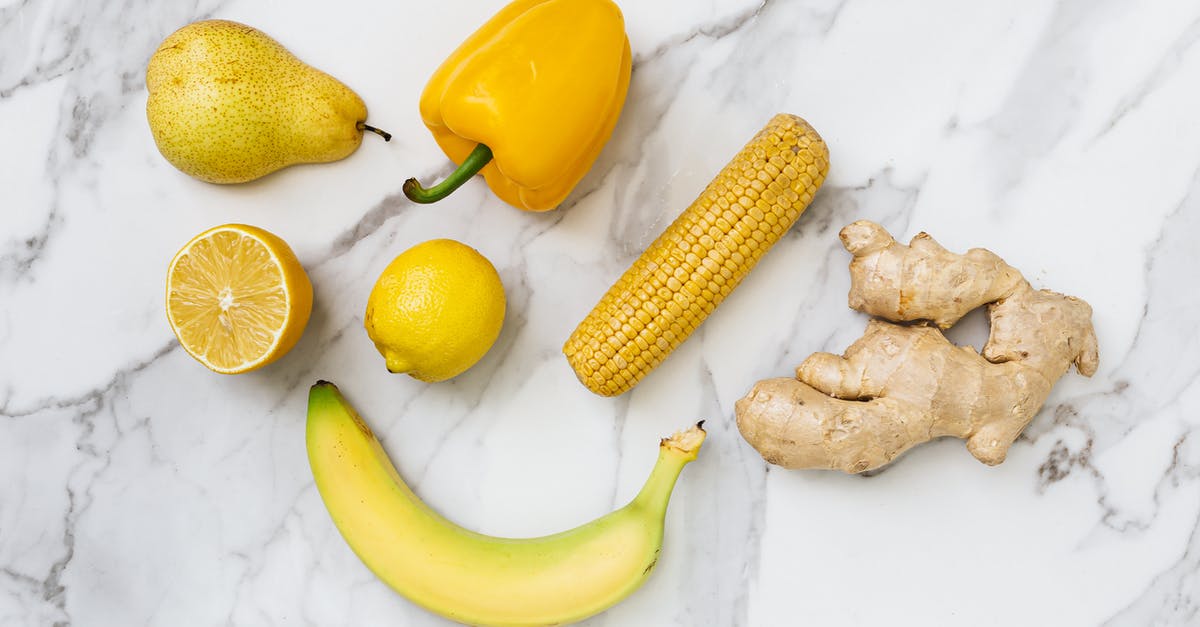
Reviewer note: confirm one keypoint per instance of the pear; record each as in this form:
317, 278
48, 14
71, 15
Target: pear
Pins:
228, 104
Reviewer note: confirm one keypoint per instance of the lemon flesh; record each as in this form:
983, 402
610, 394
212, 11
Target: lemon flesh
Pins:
436, 310
237, 298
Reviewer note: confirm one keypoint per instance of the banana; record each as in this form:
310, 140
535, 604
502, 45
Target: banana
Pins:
467, 576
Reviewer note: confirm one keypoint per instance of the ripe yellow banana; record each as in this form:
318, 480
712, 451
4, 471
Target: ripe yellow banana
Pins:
470, 577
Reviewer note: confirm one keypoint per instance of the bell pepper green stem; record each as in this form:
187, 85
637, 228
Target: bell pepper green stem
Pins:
387, 137
471, 166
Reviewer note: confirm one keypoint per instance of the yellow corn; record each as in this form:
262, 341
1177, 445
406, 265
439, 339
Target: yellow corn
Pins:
700, 257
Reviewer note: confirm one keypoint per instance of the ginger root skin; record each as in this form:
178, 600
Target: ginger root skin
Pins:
921, 281
901, 385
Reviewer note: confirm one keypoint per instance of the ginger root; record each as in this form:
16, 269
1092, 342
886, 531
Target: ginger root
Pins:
921, 281
901, 385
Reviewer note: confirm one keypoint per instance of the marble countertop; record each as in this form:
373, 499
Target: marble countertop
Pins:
140, 489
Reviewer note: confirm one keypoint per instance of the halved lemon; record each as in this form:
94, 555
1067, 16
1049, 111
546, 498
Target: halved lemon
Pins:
237, 298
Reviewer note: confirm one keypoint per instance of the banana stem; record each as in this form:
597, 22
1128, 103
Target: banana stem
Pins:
673, 454
479, 157
657, 489
387, 137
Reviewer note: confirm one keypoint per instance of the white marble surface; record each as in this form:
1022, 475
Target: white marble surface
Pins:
140, 489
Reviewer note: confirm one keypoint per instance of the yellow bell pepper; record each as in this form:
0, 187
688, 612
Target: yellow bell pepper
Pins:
529, 100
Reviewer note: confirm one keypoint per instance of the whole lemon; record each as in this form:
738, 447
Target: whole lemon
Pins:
436, 310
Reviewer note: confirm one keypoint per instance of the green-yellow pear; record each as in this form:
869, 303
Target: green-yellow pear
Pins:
228, 104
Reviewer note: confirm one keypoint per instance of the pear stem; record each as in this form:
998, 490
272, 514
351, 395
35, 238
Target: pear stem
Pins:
387, 137
479, 157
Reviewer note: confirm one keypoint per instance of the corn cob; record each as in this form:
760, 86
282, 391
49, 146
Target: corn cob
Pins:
698, 260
